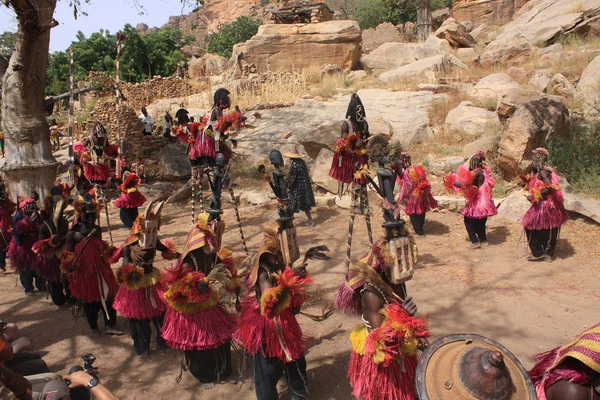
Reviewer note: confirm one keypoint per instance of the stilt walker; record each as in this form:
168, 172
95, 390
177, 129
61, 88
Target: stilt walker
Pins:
196, 320
71, 117
120, 38
355, 130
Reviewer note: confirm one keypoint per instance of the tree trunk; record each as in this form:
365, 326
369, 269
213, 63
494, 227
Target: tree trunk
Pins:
424, 20
29, 163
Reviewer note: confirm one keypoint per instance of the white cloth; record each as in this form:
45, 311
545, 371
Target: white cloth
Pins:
148, 122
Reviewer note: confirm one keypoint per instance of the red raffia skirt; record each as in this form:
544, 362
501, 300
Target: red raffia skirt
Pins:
343, 172
259, 333
199, 150
96, 173
22, 257
48, 268
130, 200
198, 331
420, 205
84, 282
348, 299
372, 381
547, 214
137, 304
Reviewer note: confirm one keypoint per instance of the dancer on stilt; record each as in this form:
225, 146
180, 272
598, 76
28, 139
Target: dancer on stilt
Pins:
275, 290
7, 209
196, 320
20, 250
52, 236
356, 143
85, 263
476, 184
342, 165
547, 213
415, 193
140, 297
130, 199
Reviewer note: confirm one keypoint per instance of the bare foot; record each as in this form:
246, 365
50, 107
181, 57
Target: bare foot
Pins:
208, 386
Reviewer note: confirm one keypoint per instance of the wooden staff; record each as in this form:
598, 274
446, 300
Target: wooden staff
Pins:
237, 216
71, 117
120, 38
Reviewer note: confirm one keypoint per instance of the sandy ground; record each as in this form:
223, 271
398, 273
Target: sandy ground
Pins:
528, 307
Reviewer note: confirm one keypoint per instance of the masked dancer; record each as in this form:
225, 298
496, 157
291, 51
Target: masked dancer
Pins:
547, 213
7, 209
94, 154
342, 164
52, 236
415, 193
301, 193
140, 296
570, 372
196, 320
20, 250
130, 199
85, 263
476, 185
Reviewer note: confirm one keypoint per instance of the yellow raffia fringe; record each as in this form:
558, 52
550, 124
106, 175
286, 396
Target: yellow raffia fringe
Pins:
128, 191
189, 307
148, 280
202, 222
273, 294
358, 338
361, 172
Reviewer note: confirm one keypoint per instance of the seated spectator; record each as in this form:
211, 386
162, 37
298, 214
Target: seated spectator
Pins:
10, 334
25, 363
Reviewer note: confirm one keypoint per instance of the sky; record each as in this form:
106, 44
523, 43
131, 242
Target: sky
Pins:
109, 15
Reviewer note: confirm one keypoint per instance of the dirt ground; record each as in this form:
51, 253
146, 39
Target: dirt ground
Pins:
528, 307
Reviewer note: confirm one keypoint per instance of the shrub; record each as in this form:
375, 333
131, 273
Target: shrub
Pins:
371, 13
240, 30
578, 158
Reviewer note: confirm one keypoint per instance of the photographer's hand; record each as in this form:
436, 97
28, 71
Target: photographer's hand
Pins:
82, 378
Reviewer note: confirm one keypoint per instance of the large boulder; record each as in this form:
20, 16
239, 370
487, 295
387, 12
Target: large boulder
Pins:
445, 165
588, 89
579, 204
561, 86
470, 120
173, 164
389, 56
484, 34
518, 74
540, 79
279, 47
515, 53
432, 47
492, 86
493, 12
513, 207
540, 22
530, 127
511, 99
320, 173
455, 33
428, 68
208, 65
486, 144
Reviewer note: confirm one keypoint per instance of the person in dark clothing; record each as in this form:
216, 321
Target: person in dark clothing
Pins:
300, 189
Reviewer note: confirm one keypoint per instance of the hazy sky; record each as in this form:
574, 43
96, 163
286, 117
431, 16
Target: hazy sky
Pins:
110, 15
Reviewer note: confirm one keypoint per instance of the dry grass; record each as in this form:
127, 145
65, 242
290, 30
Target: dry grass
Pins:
439, 109
281, 88
475, 72
408, 83
577, 7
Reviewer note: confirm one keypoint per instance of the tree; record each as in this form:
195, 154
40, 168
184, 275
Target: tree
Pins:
240, 30
7, 43
29, 163
371, 13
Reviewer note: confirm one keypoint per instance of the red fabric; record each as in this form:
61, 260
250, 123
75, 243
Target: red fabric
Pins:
96, 172
259, 333
342, 171
198, 331
83, 281
372, 381
130, 200
348, 298
543, 375
112, 150
136, 304
79, 148
22, 257
208, 149
48, 268
547, 212
479, 201
415, 193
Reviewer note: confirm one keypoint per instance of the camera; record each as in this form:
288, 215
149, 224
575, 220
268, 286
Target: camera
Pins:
88, 367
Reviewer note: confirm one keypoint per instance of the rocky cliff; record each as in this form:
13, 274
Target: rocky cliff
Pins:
491, 12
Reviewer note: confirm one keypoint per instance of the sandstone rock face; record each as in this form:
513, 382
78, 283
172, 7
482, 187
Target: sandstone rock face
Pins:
561, 86
555, 48
455, 33
297, 47
390, 56
486, 144
492, 12
588, 89
375, 37
470, 120
254, 198
576, 203
484, 33
173, 163
511, 99
432, 47
540, 79
356, 75
218, 12
208, 65
540, 22
530, 127
518, 74
429, 68
514, 53
492, 86
445, 165
320, 173
514, 207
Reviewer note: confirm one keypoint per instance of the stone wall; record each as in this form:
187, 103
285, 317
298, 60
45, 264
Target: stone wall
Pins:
491, 12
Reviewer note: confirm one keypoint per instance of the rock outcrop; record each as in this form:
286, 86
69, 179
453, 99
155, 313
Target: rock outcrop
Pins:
173, 164
470, 120
588, 89
530, 127
513, 53
455, 33
208, 65
390, 56
540, 22
511, 99
428, 68
320, 173
492, 86
492, 12
298, 47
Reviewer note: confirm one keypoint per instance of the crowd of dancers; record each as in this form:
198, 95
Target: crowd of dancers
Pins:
205, 301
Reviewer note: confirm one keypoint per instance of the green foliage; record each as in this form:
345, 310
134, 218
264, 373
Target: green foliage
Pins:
142, 57
7, 43
371, 13
578, 158
240, 30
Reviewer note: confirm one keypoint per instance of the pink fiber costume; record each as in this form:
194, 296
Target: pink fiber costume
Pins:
342, 165
20, 249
